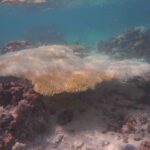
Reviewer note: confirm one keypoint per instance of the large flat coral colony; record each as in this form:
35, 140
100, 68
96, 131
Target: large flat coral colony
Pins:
51, 98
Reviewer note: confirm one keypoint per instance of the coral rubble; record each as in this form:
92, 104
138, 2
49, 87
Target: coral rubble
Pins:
26, 115
68, 108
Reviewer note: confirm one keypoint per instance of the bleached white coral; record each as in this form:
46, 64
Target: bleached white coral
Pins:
56, 69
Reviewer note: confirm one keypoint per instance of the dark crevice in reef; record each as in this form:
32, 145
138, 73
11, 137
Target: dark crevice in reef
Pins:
25, 115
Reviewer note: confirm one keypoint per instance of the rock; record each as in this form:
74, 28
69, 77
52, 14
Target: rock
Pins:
105, 143
5, 119
132, 91
132, 43
19, 146
6, 98
145, 145
111, 147
77, 145
1, 143
136, 123
12, 90
32, 119
78, 48
138, 136
128, 147
125, 139
23, 115
65, 117
56, 140
8, 141
129, 125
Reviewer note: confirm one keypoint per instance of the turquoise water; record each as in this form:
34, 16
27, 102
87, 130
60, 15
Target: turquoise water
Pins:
85, 24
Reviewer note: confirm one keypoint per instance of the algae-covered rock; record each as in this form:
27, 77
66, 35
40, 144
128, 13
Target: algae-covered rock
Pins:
15, 46
132, 43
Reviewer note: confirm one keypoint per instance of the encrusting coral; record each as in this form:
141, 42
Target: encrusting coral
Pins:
55, 69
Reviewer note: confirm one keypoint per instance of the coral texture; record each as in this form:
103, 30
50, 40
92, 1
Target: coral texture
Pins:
15, 46
132, 43
56, 69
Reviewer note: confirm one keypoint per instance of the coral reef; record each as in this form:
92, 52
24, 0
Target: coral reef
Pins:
56, 69
88, 101
15, 46
22, 113
104, 118
132, 43
145, 145
139, 124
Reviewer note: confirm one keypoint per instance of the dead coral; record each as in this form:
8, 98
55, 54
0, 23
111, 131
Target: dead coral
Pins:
56, 69
15, 46
23, 116
145, 145
137, 123
132, 43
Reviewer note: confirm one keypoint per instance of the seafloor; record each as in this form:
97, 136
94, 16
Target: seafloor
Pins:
108, 114
115, 115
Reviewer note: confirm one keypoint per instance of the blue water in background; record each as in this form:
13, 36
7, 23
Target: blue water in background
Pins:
86, 24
